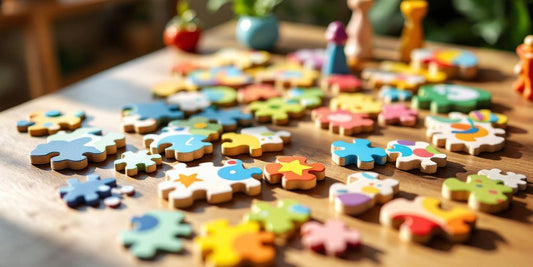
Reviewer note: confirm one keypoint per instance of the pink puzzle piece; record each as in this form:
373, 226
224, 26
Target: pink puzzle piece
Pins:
334, 238
398, 114
342, 121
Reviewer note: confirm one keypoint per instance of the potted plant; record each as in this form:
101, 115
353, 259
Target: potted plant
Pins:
257, 26
183, 31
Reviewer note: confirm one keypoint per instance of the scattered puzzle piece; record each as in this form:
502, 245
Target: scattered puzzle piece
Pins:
156, 231
183, 185
481, 192
146, 117
411, 155
229, 118
287, 76
199, 125
391, 94
376, 78
308, 58
242, 59
485, 115
89, 192
109, 142
443, 98
185, 67
256, 92
170, 87
133, 162
513, 180
307, 97
220, 76
398, 114
460, 133
341, 83
361, 192
294, 173
49, 122
423, 218
431, 76
356, 103
221, 96
454, 62
190, 102
223, 245
276, 110
282, 219
342, 121
178, 143
254, 141
359, 152
334, 238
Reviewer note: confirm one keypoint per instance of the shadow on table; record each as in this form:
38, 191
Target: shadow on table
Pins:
482, 239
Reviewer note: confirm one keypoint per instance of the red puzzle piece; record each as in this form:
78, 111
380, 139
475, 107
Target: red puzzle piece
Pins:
294, 173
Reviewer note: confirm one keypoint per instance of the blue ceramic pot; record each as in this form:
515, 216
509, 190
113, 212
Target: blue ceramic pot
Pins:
259, 33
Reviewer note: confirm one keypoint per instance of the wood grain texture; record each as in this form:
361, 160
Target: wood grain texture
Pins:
38, 229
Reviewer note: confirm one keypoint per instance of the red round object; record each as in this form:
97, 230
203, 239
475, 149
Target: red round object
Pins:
182, 38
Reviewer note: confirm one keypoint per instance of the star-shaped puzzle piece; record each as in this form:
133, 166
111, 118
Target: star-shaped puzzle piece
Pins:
359, 152
146, 117
276, 110
410, 155
513, 180
133, 162
294, 173
254, 141
444, 98
357, 103
198, 125
229, 118
178, 143
481, 192
342, 121
334, 238
49, 122
398, 114
156, 231
89, 192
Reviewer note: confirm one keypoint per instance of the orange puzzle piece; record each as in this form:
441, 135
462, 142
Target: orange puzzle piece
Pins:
294, 173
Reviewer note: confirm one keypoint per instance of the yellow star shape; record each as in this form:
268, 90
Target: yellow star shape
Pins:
188, 180
293, 166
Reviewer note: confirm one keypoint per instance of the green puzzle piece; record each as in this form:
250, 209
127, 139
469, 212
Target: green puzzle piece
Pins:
156, 230
199, 125
444, 98
133, 162
307, 97
101, 144
276, 108
280, 219
481, 188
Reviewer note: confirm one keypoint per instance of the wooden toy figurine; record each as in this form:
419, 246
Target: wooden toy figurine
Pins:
360, 32
335, 62
524, 68
412, 34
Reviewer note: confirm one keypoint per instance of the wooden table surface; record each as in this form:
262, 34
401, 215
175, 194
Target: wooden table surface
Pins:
37, 229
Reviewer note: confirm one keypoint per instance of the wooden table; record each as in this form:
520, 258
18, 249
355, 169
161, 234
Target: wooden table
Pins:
38, 229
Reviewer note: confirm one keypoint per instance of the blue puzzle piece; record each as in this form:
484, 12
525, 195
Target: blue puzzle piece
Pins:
235, 171
158, 110
227, 117
359, 152
391, 94
183, 143
89, 192
59, 151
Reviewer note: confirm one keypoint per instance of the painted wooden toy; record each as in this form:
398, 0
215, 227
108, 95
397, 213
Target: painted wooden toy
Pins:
184, 184
410, 155
460, 133
190, 102
376, 78
276, 110
341, 83
423, 218
452, 61
220, 76
398, 114
146, 117
49, 122
220, 244
254, 141
513, 180
307, 97
197, 125
87, 193
485, 115
359, 152
360, 33
133, 162
356, 103
390, 94
362, 191
481, 192
335, 61
178, 143
333, 238
444, 98
256, 92
342, 121
108, 143
228, 118
431, 75
524, 68
412, 36
282, 219
294, 173
156, 231
309, 58
221, 96
285, 76
242, 59
183, 68
173, 86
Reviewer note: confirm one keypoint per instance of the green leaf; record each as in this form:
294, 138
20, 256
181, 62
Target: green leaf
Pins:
382, 15
490, 30
519, 23
215, 5
478, 10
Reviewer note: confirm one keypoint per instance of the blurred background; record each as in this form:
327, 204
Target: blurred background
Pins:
48, 44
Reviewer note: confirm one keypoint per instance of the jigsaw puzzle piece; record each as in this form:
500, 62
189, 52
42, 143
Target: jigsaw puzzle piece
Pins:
190, 102
485, 115
307, 97
342, 121
89, 192
179, 144
74, 154
341, 83
254, 141
49, 122
398, 114
390, 94
334, 237
359, 152
228, 118
410, 155
513, 180
357, 103
221, 96
294, 173
444, 98
257, 92
133, 162
198, 125
276, 110
146, 117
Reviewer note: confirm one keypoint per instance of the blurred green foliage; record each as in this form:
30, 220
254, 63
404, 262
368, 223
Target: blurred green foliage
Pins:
499, 24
